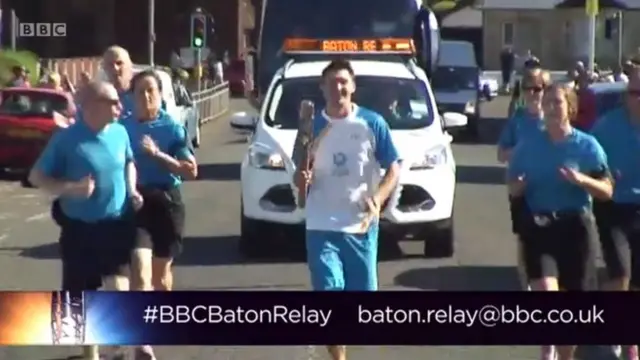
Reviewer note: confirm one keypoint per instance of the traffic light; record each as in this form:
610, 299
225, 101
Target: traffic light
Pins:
198, 31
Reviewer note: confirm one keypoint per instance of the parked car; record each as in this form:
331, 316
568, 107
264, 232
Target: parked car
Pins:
28, 118
235, 75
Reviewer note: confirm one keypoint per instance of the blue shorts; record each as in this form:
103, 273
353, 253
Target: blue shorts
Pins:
340, 261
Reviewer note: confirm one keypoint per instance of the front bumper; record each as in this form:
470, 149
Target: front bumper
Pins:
424, 196
15, 155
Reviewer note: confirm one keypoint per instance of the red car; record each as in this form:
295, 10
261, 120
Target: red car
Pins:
28, 118
235, 75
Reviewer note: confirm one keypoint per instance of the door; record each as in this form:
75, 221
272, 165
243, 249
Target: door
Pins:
528, 37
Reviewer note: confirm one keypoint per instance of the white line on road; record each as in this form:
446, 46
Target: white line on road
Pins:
38, 217
24, 196
5, 216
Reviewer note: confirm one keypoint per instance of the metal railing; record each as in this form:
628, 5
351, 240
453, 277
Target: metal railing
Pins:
212, 102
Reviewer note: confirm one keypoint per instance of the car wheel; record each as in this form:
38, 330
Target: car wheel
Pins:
24, 180
472, 130
196, 141
439, 243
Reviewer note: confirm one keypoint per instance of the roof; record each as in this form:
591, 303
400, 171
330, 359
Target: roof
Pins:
608, 87
568, 4
548, 4
360, 67
468, 17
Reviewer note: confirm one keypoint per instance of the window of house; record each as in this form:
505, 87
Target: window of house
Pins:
508, 34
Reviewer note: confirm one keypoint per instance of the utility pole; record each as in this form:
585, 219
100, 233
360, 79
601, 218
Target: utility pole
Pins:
592, 9
14, 30
152, 31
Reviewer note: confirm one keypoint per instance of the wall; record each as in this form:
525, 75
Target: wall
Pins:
557, 37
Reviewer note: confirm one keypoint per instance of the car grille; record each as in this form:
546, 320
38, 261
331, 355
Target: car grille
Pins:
413, 199
279, 198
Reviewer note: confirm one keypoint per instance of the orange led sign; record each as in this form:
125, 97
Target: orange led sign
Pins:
404, 46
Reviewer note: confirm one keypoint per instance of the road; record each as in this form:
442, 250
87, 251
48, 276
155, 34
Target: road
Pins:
484, 259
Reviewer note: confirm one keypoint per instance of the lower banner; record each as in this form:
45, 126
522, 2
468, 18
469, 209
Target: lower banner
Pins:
316, 318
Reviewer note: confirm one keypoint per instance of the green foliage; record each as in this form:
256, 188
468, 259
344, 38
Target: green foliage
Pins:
9, 59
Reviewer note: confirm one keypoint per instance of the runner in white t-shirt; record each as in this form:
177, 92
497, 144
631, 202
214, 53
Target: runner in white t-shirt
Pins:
351, 145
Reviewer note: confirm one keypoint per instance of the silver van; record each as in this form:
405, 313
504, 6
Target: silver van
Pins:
456, 82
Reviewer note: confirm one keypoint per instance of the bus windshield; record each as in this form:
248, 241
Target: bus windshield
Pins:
329, 19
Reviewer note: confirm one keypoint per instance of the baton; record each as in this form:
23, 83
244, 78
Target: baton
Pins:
303, 146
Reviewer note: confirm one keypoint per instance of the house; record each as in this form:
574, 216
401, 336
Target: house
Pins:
94, 25
556, 31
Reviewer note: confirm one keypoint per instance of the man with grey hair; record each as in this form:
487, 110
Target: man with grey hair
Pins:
116, 62
89, 168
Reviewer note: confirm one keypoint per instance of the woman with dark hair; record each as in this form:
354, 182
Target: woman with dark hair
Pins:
558, 172
163, 157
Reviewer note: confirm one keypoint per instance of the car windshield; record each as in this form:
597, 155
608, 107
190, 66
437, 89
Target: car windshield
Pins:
32, 103
608, 101
404, 103
455, 78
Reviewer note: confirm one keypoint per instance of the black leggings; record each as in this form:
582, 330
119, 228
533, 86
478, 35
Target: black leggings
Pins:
619, 230
163, 217
519, 213
561, 248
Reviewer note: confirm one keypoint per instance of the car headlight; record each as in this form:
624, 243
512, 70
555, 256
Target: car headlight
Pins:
470, 107
435, 157
265, 159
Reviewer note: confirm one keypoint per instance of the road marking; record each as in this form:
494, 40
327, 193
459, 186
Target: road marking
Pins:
3, 237
5, 216
24, 196
38, 217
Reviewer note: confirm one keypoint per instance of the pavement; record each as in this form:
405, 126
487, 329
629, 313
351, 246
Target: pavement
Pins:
485, 257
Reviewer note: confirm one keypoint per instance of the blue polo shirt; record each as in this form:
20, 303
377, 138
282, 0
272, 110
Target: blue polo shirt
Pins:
620, 139
171, 138
78, 151
519, 126
127, 102
539, 160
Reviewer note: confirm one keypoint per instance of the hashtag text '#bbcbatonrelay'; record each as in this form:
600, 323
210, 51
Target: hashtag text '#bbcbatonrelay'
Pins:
487, 316
214, 314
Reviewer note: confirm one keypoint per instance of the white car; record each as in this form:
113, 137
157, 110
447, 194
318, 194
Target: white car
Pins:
423, 205
185, 113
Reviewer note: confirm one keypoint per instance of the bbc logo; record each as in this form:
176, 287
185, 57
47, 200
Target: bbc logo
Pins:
42, 29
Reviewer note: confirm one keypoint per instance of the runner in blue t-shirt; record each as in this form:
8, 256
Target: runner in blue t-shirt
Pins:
164, 157
346, 191
558, 172
618, 132
118, 67
524, 122
89, 168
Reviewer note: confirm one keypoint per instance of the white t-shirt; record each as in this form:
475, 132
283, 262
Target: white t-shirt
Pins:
347, 169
